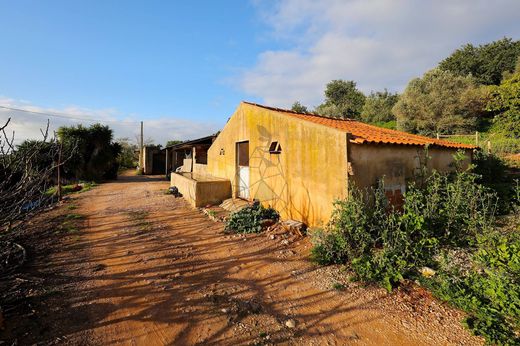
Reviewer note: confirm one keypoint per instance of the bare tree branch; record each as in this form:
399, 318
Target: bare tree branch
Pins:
26, 176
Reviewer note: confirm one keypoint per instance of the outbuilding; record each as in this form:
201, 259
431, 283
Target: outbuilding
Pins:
300, 163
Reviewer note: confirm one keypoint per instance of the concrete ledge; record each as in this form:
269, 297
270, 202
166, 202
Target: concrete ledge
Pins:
201, 190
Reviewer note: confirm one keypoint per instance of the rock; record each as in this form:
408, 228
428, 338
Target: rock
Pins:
272, 237
290, 323
225, 311
427, 272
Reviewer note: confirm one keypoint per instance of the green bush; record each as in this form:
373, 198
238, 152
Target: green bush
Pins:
446, 225
488, 290
392, 124
92, 154
448, 210
249, 219
328, 247
492, 172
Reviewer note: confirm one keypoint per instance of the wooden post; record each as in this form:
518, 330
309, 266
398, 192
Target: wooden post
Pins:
59, 171
476, 138
438, 135
141, 153
167, 161
489, 146
193, 154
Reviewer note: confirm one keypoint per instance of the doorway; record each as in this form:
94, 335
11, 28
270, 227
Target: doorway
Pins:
243, 169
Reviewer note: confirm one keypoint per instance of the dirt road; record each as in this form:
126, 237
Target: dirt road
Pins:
147, 269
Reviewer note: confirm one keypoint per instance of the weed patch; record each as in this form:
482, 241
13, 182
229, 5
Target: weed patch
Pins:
138, 217
338, 286
249, 219
212, 213
74, 217
72, 188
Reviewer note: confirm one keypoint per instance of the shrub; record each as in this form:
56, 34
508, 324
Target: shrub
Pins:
369, 233
93, 154
446, 224
489, 290
249, 219
328, 247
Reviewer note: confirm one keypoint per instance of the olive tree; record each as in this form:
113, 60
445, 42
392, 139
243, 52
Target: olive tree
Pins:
342, 100
441, 102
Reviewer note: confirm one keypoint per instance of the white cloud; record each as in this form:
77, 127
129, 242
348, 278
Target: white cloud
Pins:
379, 44
161, 129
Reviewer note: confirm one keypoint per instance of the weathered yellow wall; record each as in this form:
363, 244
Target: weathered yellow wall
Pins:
303, 181
398, 164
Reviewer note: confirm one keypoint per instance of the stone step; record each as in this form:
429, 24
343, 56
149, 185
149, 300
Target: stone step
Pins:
234, 204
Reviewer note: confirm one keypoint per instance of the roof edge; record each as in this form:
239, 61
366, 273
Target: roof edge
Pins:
431, 141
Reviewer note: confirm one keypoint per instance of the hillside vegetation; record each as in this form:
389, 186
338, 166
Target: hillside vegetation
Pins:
475, 89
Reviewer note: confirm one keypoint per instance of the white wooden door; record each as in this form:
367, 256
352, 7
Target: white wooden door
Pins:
243, 169
243, 184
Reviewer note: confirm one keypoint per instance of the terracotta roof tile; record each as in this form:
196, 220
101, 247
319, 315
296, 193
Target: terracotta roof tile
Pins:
365, 133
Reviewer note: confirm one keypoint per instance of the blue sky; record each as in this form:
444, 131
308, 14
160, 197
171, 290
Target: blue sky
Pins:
148, 58
183, 67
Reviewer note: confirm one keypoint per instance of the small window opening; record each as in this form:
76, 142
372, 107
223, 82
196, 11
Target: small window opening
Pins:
275, 148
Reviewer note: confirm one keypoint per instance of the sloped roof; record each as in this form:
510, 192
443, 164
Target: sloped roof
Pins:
365, 133
188, 144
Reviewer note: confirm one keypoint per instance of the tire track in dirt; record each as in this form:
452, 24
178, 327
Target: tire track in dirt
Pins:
161, 273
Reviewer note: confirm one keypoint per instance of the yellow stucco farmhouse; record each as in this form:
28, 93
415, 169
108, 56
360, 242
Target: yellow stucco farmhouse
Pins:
300, 163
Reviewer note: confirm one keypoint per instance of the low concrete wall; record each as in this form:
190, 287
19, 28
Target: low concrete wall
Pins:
201, 190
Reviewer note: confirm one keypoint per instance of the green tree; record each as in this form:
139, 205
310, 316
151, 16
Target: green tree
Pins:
378, 107
342, 100
38, 152
299, 108
95, 155
172, 142
129, 155
505, 103
441, 102
509, 75
486, 63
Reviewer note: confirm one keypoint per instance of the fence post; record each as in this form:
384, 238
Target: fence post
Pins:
489, 146
438, 135
476, 138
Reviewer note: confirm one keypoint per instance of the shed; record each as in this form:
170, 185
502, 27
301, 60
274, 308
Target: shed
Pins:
301, 163
153, 160
188, 156
186, 163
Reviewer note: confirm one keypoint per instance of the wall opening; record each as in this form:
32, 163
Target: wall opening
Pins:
275, 148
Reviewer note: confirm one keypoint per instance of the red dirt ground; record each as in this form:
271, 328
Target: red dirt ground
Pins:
147, 269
